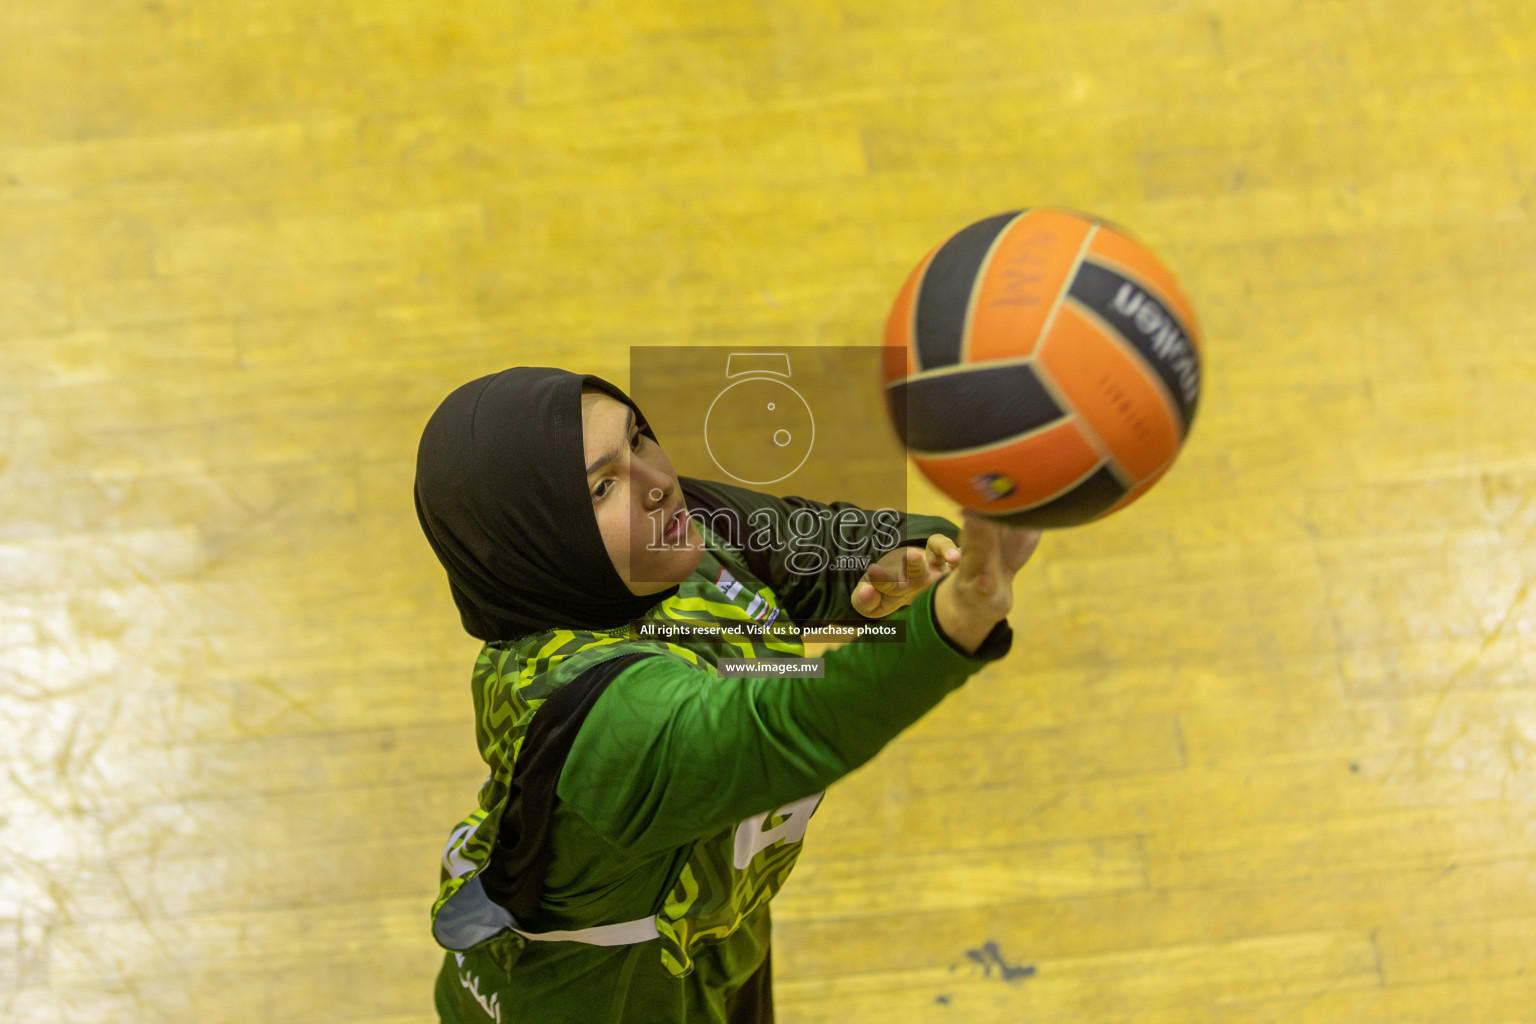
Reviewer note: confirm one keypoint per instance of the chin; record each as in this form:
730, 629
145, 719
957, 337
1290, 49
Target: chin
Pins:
673, 571
687, 561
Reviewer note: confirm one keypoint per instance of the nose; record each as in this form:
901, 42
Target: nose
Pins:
655, 485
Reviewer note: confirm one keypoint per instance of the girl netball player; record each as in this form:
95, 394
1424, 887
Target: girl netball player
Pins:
642, 807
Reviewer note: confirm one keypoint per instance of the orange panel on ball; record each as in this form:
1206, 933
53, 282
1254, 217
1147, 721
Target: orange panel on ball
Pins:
1026, 271
1024, 473
1106, 382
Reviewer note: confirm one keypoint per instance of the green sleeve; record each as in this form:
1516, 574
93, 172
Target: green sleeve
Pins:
811, 554
671, 752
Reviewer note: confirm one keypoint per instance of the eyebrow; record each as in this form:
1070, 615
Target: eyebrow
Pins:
603, 460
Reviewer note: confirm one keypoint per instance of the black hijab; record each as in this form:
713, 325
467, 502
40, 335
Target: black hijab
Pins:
501, 492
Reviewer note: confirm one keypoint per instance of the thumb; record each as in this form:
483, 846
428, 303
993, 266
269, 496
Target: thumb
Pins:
865, 599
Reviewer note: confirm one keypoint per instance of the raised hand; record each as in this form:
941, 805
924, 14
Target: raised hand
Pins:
979, 592
895, 580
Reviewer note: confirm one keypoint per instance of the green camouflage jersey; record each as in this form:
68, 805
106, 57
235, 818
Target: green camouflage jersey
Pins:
678, 800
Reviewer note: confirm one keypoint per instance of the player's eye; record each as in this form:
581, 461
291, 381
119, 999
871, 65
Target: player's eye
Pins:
602, 487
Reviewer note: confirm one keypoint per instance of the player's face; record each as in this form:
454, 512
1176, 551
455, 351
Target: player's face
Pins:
637, 499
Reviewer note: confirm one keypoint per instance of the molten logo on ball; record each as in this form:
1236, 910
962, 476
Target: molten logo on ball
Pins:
993, 486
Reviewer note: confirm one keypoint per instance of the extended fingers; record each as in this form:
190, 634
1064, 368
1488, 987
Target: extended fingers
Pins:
1021, 546
915, 566
996, 545
978, 540
943, 555
913, 569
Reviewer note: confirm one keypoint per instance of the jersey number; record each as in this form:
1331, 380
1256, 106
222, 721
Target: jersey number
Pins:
752, 840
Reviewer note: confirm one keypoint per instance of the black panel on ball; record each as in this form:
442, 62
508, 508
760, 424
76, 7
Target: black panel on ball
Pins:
945, 294
971, 408
1088, 500
1149, 326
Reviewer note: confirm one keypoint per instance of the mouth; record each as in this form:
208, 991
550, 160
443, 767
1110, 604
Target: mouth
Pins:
677, 526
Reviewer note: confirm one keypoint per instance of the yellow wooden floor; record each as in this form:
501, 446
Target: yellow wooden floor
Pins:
1266, 749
